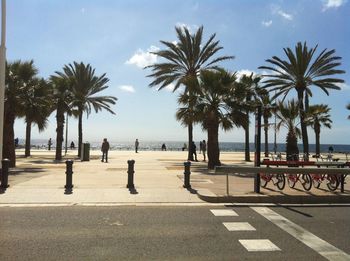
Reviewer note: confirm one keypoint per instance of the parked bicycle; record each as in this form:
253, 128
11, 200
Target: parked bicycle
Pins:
277, 180
333, 180
304, 179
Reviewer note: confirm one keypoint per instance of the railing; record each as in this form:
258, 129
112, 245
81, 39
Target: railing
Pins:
255, 172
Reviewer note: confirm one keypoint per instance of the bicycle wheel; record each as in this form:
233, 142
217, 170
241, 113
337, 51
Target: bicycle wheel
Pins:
333, 182
306, 181
264, 179
292, 179
281, 181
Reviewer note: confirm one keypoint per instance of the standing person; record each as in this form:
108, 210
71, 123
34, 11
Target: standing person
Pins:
136, 145
105, 149
72, 145
194, 150
200, 147
204, 149
49, 143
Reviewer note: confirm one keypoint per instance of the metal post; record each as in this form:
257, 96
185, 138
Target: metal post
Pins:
187, 172
2, 72
5, 173
342, 178
257, 148
227, 185
69, 175
131, 172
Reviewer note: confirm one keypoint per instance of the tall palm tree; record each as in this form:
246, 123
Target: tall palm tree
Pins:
35, 107
85, 85
318, 116
247, 88
287, 115
268, 107
299, 72
18, 75
212, 110
183, 62
62, 98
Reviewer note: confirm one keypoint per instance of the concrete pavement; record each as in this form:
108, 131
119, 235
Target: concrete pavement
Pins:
158, 179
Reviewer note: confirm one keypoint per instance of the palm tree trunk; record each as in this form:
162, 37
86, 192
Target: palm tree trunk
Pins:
213, 145
80, 132
303, 124
317, 134
59, 133
27, 145
246, 131
266, 133
190, 140
9, 139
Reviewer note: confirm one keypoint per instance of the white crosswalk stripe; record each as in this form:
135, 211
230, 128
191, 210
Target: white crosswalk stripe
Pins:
239, 226
258, 245
224, 212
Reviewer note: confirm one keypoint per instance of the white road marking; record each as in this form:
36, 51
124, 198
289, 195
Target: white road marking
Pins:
322, 247
224, 212
238, 226
258, 245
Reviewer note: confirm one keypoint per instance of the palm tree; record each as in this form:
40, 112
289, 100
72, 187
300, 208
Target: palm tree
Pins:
212, 109
301, 71
62, 98
287, 115
18, 75
247, 88
85, 84
35, 108
267, 109
183, 62
318, 116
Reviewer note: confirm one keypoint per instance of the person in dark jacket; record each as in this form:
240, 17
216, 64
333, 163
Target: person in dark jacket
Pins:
194, 148
105, 149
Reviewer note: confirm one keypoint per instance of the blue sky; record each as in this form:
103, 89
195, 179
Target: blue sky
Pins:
115, 37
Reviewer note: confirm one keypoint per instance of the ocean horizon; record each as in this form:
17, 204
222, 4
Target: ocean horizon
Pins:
178, 145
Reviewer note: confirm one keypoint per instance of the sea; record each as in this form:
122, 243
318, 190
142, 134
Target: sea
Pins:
178, 145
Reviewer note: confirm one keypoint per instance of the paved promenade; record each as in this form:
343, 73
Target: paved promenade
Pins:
158, 179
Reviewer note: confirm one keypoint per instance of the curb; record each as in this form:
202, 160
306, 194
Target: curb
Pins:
210, 197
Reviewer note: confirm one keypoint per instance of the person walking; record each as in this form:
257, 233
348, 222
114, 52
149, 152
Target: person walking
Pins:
137, 145
204, 149
105, 149
194, 148
49, 143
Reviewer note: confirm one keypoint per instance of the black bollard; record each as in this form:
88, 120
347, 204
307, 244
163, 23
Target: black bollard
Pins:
187, 172
69, 175
131, 172
5, 173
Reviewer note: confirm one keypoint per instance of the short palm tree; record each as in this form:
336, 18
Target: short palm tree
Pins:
35, 107
318, 116
18, 75
287, 115
85, 85
212, 111
299, 72
62, 98
182, 64
247, 87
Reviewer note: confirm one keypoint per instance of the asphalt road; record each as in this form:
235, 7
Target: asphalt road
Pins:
168, 233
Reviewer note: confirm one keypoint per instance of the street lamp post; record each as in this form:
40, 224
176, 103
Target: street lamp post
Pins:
2, 73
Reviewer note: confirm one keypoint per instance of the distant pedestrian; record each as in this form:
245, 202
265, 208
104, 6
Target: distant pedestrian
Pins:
204, 149
49, 143
163, 147
330, 149
16, 142
105, 149
200, 147
72, 145
137, 145
194, 148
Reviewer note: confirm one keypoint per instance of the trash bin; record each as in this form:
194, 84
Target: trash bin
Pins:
85, 152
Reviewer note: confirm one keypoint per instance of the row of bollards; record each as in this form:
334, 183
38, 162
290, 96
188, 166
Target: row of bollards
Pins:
131, 170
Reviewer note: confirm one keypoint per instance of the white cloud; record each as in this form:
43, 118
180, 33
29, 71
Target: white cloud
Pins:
191, 28
267, 23
127, 88
144, 58
344, 86
285, 15
328, 4
240, 73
